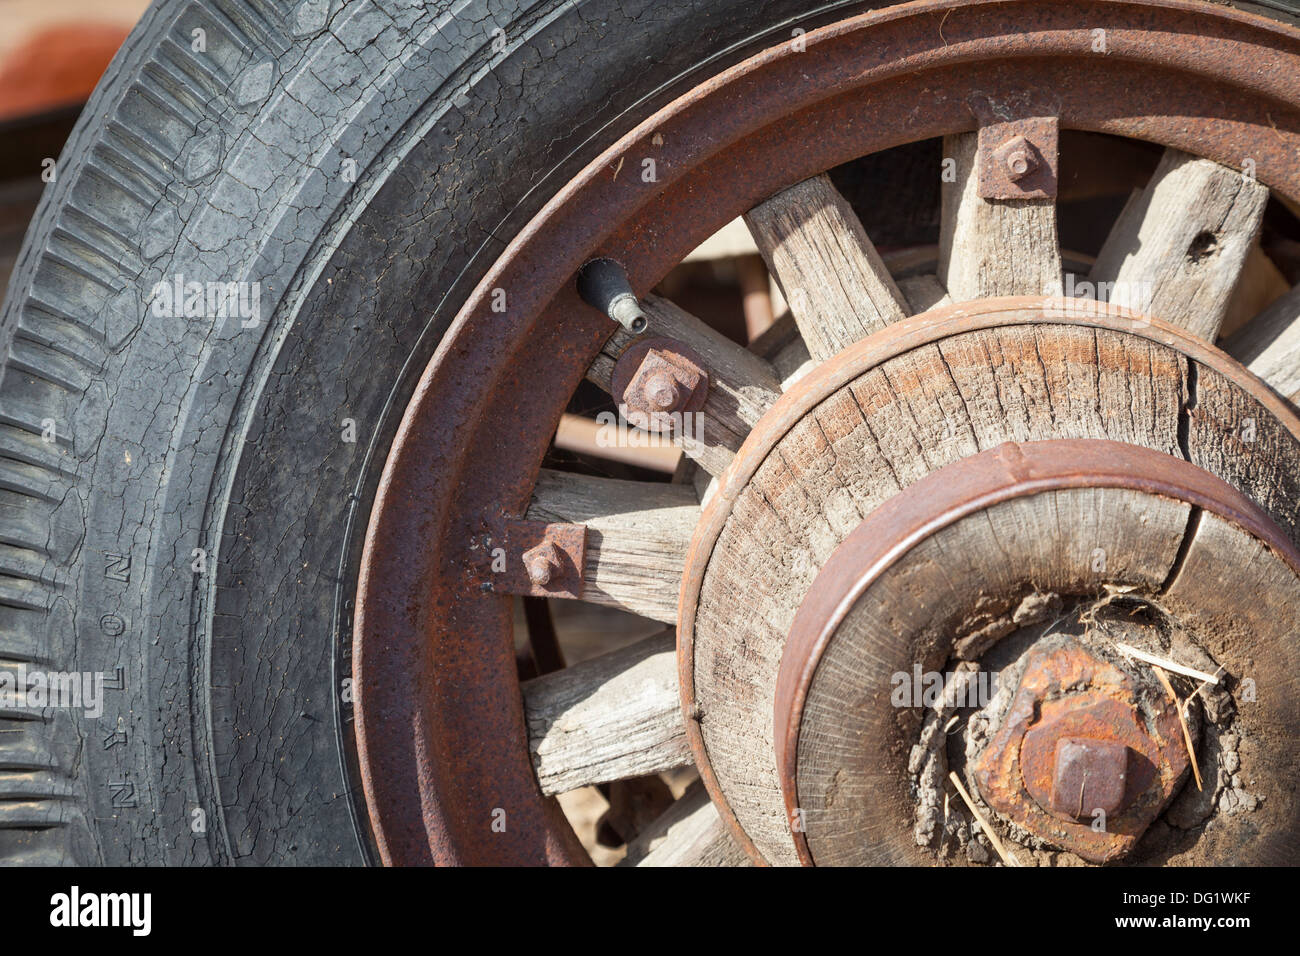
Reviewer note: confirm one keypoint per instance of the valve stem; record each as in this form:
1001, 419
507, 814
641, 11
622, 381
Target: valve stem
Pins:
603, 284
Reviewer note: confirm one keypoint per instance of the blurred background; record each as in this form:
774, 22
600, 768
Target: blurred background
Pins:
52, 53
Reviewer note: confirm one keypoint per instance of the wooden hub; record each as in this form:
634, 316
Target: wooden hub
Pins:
985, 537
1126, 477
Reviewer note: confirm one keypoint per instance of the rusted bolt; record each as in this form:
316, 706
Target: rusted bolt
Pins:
661, 391
1018, 156
543, 564
1090, 775
658, 379
664, 383
546, 558
1104, 722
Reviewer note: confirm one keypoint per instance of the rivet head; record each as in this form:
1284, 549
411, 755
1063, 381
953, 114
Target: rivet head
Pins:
542, 563
1018, 156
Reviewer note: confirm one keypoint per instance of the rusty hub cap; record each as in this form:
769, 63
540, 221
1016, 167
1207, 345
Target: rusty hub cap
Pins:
1083, 736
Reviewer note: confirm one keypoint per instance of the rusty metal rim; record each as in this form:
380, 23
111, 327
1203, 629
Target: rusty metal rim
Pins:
439, 723
857, 359
949, 494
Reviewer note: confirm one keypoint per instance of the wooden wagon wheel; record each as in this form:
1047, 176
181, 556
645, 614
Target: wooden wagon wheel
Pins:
960, 472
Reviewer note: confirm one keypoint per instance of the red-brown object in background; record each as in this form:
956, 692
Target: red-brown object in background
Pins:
58, 67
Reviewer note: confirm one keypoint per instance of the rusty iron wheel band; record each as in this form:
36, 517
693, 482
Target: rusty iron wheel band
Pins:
944, 497
439, 721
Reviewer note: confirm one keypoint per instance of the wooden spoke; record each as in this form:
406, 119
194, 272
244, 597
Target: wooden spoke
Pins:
742, 386
828, 270
791, 359
1269, 343
923, 293
784, 347
1261, 284
1178, 249
690, 833
776, 336
610, 718
993, 247
637, 536
792, 363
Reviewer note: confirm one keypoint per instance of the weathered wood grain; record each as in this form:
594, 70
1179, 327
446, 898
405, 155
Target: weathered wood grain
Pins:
1232, 435
690, 833
1243, 601
923, 293
829, 272
792, 363
993, 247
1261, 284
853, 785
1177, 251
889, 427
610, 718
637, 536
1269, 345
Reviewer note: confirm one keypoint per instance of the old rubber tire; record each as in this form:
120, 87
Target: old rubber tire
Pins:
182, 505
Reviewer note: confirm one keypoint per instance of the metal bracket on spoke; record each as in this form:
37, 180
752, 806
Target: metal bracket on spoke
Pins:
537, 559
1018, 158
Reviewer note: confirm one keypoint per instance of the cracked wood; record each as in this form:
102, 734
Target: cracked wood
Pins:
610, 718
830, 273
1178, 248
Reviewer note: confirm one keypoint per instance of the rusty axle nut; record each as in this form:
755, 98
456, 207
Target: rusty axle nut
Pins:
1082, 736
1090, 775
543, 564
